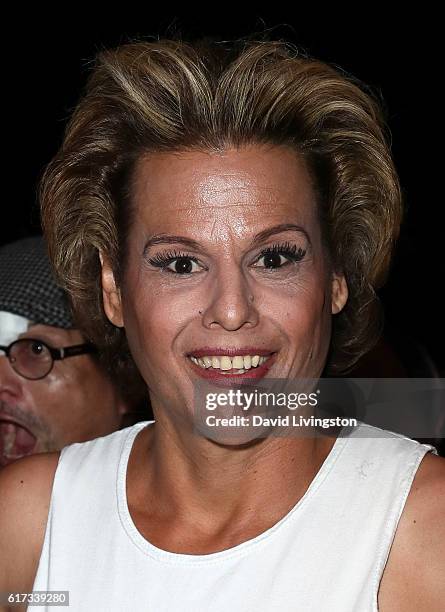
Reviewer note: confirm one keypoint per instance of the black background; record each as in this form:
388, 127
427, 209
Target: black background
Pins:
45, 64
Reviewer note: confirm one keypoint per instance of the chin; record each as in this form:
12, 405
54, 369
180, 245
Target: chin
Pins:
235, 439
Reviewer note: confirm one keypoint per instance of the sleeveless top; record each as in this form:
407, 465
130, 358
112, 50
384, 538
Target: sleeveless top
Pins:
326, 555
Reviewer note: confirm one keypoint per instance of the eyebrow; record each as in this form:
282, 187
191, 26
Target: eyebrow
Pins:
278, 229
192, 244
169, 239
42, 337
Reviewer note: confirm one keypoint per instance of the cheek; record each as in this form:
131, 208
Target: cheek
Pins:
153, 319
300, 304
72, 392
304, 321
302, 314
54, 386
61, 384
315, 334
58, 402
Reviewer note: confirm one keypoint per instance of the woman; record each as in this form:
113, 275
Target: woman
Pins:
224, 213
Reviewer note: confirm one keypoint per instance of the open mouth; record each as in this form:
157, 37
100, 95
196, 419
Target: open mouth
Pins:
16, 441
239, 364
231, 366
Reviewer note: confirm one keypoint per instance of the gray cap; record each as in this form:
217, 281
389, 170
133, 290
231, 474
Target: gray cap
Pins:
28, 287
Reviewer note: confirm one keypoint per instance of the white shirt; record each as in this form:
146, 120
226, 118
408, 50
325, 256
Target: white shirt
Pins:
326, 555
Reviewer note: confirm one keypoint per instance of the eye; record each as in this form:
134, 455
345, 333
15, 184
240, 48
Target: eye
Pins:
183, 265
176, 263
279, 256
273, 260
36, 348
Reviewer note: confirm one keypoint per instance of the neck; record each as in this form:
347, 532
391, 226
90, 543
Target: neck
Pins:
196, 479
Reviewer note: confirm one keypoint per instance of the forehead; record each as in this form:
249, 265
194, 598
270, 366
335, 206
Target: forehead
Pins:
234, 189
56, 336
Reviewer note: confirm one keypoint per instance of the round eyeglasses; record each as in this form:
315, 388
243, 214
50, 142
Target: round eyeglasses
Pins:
34, 359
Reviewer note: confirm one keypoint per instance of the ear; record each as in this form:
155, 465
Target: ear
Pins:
111, 294
339, 293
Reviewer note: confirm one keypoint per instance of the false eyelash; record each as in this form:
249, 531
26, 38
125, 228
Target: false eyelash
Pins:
289, 250
162, 260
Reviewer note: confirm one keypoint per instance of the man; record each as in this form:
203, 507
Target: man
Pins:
53, 389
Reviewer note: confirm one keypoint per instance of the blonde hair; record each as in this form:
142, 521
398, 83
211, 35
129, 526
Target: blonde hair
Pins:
170, 95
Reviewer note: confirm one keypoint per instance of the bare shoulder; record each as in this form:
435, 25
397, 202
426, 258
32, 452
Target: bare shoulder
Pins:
413, 577
25, 493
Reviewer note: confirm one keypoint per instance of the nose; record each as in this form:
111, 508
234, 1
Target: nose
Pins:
10, 381
231, 302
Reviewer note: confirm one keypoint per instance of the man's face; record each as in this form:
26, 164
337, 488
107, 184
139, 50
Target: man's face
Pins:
75, 402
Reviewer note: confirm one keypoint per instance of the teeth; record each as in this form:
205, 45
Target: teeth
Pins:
226, 363
240, 363
15, 440
9, 434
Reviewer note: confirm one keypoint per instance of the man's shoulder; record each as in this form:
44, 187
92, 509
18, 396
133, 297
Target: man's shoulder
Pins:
27, 477
413, 577
25, 494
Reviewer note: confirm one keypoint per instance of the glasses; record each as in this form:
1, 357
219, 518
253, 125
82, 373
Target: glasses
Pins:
34, 359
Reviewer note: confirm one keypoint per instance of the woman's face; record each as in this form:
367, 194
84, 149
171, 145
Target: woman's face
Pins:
225, 260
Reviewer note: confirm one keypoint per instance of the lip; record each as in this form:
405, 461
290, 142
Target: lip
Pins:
230, 352
227, 380
23, 450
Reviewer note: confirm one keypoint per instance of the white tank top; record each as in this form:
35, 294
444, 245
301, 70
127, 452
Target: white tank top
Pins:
326, 555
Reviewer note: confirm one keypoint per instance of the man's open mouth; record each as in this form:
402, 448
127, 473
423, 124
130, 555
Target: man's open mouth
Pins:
16, 441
